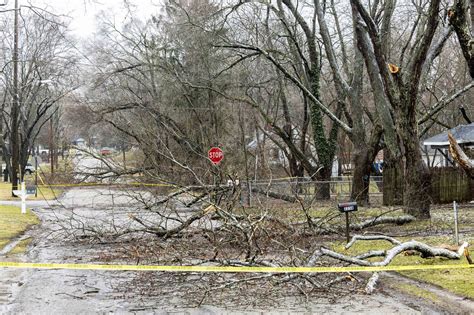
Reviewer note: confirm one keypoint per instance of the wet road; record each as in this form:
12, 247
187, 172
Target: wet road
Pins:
29, 291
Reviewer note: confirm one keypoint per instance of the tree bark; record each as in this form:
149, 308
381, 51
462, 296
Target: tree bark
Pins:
393, 175
323, 185
417, 190
362, 159
459, 156
459, 19
360, 181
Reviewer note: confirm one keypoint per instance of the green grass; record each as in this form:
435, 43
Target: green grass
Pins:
460, 281
13, 223
417, 291
64, 166
43, 193
21, 247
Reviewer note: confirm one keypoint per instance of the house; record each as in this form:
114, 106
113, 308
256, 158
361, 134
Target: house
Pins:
79, 142
436, 147
451, 183
276, 156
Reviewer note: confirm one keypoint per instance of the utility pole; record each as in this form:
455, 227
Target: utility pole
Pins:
15, 108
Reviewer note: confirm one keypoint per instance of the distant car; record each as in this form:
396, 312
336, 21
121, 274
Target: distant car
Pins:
106, 151
29, 169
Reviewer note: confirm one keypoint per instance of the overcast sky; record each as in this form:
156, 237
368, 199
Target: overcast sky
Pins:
83, 12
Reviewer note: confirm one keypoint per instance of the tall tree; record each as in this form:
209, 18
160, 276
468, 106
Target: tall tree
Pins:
46, 63
397, 92
463, 25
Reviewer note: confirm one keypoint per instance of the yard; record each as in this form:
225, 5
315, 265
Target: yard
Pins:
44, 193
13, 223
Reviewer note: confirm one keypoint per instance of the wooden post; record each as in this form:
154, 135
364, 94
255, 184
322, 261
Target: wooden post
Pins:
456, 231
348, 237
36, 174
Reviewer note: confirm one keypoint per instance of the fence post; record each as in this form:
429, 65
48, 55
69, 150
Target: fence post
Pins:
456, 231
249, 194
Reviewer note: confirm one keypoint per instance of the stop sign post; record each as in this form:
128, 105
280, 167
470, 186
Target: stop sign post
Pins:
215, 155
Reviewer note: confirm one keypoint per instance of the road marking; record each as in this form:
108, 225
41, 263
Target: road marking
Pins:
228, 269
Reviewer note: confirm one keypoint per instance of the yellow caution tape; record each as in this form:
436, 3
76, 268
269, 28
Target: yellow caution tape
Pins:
230, 269
108, 184
145, 184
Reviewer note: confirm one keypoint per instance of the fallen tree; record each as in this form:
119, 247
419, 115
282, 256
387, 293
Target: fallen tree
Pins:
274, 195
423, 249
460, 157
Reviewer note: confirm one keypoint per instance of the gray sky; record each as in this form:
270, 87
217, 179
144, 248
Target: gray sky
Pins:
83, 12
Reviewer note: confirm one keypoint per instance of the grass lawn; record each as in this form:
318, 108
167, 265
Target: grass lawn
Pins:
43, 193
21, 247
13, 223
460, 281
64, 166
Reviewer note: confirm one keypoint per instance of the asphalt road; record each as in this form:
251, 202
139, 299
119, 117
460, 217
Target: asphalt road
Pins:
30, 291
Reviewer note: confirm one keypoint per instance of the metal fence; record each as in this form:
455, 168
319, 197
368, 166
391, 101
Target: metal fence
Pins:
338, 188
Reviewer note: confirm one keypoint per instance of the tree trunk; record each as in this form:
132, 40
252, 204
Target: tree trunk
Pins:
459, 19
296, 170
417, 192
393, 174
361, 159
323, 186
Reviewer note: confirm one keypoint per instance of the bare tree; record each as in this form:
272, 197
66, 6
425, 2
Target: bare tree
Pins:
397, 90
46, 63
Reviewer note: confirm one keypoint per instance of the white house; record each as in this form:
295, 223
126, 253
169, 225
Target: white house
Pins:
276, 156
436, 152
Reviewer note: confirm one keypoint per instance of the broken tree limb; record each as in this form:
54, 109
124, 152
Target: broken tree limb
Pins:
382, 220
196, 199
371, 254
424, 249
370, 287
460, 157
371, 238
172, 195
274, 194
323, 228
166, 233
345, 258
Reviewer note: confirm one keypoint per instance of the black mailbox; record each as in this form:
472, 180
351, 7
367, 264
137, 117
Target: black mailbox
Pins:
30, 190
347, 206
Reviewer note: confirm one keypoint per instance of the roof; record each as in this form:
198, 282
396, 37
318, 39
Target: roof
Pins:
464, 134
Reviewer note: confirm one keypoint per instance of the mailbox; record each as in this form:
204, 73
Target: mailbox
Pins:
30, 190
347, 206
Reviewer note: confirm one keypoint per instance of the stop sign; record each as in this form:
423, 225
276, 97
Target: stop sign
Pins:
216, 155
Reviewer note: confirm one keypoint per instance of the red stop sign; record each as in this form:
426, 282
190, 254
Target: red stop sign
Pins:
215, 155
